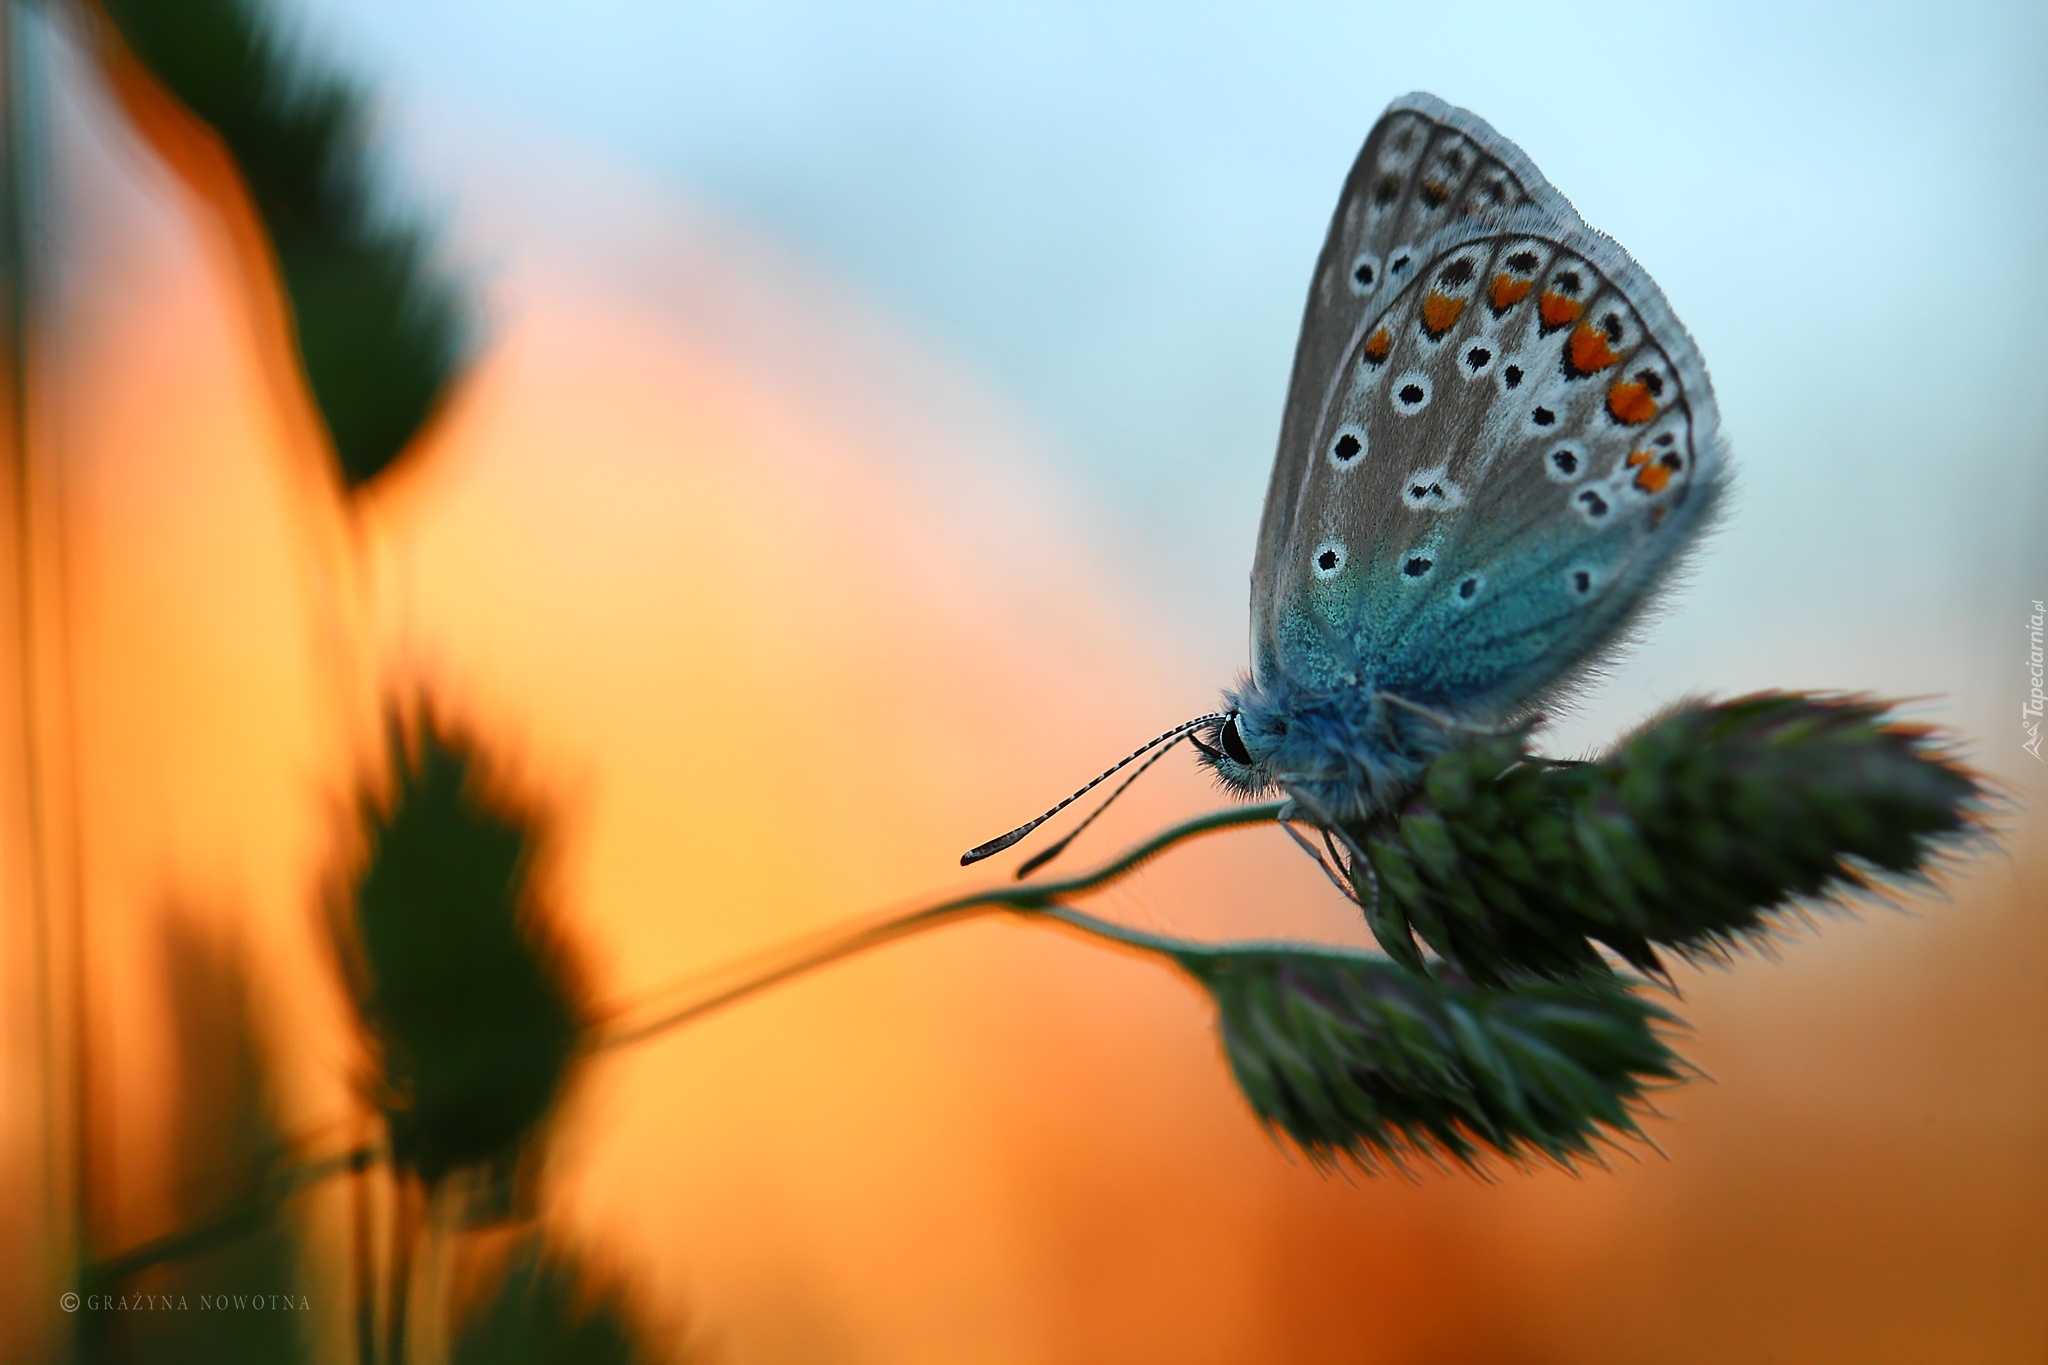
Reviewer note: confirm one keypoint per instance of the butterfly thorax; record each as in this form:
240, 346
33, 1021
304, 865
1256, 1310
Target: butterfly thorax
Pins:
1348, 753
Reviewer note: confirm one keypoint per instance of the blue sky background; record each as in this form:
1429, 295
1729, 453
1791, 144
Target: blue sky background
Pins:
1107, 214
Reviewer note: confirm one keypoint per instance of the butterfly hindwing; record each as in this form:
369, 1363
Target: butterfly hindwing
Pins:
1514, 446
1425, 167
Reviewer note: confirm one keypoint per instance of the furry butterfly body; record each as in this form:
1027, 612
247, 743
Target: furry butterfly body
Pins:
1497, 443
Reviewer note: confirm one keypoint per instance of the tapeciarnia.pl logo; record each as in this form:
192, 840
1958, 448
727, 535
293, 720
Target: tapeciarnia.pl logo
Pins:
2030, 712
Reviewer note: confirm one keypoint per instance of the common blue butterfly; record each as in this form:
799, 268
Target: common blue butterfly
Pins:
1497, 441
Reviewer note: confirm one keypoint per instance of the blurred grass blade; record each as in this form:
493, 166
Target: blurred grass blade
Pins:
1698, 833
470, 995
1355, 1057
379, 333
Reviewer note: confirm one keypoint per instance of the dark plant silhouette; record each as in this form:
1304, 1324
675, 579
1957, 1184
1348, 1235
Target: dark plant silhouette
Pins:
380, 333
463, 983
466, 990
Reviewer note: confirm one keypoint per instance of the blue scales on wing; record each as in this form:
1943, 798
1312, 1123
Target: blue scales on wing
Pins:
1504, 457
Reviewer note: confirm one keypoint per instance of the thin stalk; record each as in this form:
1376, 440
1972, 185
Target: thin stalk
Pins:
209, 1236
365, 1280
795, 960
404, 1234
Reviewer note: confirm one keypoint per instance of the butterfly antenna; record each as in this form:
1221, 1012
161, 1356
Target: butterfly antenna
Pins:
995, 846
1044, 856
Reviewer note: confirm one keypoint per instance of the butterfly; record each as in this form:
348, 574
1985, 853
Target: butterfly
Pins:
1497, 444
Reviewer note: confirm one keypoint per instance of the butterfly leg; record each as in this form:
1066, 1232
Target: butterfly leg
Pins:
1350, 862
1288, 814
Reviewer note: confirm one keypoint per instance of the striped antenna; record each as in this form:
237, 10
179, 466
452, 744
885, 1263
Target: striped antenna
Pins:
995, 846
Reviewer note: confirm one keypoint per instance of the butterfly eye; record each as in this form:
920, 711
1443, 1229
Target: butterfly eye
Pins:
1233, 743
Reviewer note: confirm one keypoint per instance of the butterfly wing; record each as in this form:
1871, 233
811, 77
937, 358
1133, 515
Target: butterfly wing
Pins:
1512, 449
1426, 165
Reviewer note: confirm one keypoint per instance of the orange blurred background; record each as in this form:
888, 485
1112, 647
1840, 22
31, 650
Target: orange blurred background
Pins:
777, 610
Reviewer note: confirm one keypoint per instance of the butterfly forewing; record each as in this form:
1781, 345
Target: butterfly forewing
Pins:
1512, 447
1425, 167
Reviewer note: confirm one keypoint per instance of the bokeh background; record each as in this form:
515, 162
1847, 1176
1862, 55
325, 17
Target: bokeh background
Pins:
864, 443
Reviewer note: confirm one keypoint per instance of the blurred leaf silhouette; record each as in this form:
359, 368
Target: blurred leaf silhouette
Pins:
1699, 833
475, 1006
550, 1310
380, 333
225, 1150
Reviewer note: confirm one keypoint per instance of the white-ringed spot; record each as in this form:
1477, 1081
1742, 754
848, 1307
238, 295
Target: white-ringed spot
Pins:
1348, 447
1411, 393
1365, 273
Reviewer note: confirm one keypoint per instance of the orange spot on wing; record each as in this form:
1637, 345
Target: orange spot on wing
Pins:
1589, 349
1638, 457
1378, 345
1630, 403
1509, 291
1439, 312
1557, 310
1651, 478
